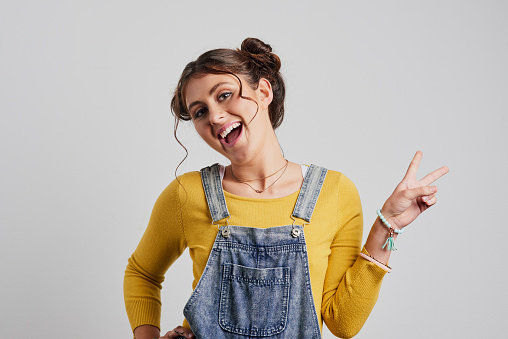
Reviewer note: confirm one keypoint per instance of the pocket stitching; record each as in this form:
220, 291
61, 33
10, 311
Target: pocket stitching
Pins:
228, 277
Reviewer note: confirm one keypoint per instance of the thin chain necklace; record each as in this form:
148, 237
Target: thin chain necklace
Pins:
261, 191
268, 176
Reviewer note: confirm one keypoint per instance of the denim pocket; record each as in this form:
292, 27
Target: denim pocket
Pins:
254, 301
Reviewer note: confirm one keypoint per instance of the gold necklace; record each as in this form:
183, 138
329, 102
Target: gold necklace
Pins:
261, 191
247, 180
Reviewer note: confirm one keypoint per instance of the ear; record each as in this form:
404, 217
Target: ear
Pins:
265, 93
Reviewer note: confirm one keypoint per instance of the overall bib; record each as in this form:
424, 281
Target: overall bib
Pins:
256, 281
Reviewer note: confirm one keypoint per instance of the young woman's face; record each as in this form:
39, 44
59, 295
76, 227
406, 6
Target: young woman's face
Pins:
225, 121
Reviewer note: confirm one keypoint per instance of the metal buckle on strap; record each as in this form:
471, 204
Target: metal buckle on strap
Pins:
225, 231
295, 232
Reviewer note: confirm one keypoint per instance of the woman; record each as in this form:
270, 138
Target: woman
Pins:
276, 246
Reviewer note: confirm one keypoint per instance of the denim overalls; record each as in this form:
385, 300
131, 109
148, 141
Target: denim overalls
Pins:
256, 282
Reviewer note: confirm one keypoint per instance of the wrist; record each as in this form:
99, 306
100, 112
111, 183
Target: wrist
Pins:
375, 241
380, 230
390, 241
390, 219
146, 332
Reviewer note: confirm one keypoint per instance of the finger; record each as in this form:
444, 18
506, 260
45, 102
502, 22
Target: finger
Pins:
428, 197
175, 333
171, 334
184, 332
431, 177
413, 166
419, 192
431, 201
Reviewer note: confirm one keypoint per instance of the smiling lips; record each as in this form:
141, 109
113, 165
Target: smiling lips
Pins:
230, 134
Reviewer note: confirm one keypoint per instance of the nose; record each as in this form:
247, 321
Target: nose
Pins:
216, 115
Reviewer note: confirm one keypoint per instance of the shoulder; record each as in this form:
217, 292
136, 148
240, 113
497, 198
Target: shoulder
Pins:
339, 181
339, 187
192, 179
184, 186
343, 198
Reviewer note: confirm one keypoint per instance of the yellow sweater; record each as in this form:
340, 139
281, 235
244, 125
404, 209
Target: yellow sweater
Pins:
345, 286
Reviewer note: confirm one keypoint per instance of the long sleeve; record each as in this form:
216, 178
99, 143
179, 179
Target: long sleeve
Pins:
162, 243
352, 283
344, 286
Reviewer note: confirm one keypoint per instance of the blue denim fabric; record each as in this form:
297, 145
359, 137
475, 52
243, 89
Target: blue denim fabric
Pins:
210, 177
256, 282
309, 193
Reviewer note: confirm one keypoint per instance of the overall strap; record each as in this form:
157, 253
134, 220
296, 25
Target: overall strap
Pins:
309, 192
210, 176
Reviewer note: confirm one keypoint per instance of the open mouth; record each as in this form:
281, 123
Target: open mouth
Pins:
231, 134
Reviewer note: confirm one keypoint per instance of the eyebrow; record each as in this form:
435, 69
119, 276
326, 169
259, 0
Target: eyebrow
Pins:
213, 89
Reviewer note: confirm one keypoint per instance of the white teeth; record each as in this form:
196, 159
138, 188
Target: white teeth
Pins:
229, 129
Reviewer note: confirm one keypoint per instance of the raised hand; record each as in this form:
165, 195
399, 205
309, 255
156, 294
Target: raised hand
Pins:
411, 196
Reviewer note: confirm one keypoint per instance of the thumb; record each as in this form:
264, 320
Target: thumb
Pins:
420, 192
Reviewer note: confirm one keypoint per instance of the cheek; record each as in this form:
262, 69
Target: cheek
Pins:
242, 107
205, 132
202, 130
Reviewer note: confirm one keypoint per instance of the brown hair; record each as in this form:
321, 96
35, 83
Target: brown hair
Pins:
254, 60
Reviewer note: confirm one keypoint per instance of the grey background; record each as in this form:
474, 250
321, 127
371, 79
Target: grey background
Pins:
86, 146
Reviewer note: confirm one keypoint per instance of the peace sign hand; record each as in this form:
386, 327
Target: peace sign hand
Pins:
411, 197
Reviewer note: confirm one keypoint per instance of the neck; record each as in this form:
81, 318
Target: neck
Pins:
263, 164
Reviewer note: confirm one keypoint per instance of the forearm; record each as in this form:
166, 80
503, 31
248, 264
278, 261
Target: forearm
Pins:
146, 332
141, 295
377, 238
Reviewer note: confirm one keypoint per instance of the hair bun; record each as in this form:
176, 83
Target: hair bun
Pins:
261, 54
255, 46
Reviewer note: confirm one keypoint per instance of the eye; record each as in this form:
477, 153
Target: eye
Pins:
200, 112
223, 96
